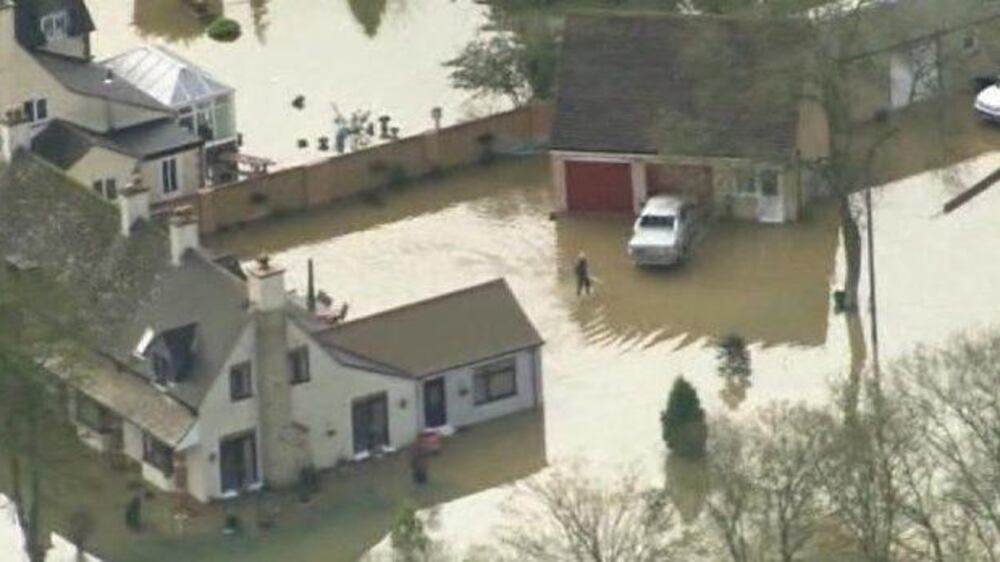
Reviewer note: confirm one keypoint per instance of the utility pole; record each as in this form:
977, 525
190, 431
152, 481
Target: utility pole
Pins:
872, 301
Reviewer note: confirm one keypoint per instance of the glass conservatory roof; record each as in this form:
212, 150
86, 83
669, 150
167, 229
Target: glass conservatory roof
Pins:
165, 76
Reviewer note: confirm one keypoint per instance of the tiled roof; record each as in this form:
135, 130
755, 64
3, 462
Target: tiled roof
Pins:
436, 334
89, 79
63, 143
120, 286
693, 85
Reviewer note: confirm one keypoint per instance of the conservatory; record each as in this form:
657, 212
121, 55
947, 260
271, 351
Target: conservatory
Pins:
203, 104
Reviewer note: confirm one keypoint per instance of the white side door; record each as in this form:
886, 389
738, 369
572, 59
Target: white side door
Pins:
770, 205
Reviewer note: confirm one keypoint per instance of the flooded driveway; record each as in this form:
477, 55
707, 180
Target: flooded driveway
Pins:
358, 54
610, 358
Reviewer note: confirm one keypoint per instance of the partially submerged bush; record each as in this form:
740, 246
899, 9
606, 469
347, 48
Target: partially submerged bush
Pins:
224, 29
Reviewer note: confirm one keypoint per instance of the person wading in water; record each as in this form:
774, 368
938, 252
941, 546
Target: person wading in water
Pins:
582, 271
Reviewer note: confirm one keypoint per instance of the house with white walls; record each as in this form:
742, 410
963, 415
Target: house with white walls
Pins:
101, 122
215, 379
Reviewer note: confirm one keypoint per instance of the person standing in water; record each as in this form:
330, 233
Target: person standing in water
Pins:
582, 271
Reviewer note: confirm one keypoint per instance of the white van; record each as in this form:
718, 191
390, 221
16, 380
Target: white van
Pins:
665, 231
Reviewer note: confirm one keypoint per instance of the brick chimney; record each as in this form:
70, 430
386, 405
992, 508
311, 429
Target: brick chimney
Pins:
133, 204
183, 233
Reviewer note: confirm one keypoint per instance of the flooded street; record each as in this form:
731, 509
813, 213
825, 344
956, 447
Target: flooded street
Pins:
610, 358
358, 54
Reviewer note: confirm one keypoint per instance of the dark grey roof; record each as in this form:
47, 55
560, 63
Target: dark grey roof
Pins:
437, 334
120, 287
696, 85
153, 139
28, 13
88, 79
63, 143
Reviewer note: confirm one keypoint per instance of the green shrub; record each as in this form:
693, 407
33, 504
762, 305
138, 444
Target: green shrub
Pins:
683, 421
224, 29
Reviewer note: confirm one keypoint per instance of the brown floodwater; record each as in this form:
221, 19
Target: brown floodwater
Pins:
379, 55
610, 358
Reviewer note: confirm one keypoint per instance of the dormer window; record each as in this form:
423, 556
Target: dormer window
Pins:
171, 353
161, 369
55, 26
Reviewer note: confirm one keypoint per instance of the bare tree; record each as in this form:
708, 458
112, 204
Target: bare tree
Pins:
766, 503
564, 516
954, 395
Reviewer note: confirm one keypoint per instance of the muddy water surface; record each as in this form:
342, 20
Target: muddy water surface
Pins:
610, 358
378, 55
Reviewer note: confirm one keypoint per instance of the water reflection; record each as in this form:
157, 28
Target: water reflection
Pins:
369, 14
258, 14
170, 20
770, 285
687, 484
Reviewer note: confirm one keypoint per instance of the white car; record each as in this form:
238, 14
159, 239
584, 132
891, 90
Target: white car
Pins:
988, 103
664, 232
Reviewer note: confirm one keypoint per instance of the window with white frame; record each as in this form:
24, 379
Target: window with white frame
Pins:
36, 110
210, 120
168, 176
55, 26
240, 382
495, 381
158, 454
107, 188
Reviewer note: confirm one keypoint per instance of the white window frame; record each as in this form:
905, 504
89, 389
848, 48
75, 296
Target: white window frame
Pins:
482, 381
32, 107
169, 176
58, 24
107, 188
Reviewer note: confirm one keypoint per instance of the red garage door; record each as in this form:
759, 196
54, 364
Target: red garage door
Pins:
599, 187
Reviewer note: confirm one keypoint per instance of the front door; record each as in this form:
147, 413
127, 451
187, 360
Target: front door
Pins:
238, 462
370, 417
435, 411
770, 206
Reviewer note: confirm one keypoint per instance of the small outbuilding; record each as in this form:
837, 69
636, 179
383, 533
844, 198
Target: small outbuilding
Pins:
710, 108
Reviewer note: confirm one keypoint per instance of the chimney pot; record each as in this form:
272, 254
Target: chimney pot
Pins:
266, 284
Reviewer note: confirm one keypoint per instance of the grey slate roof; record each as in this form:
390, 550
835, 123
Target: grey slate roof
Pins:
627, 83
63, 143
434, 335
152, 139
120, 286
88, 79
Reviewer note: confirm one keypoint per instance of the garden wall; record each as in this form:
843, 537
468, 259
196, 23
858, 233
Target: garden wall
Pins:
348, 175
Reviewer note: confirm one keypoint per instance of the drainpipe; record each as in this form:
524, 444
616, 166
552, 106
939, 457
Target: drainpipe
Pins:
311, 290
